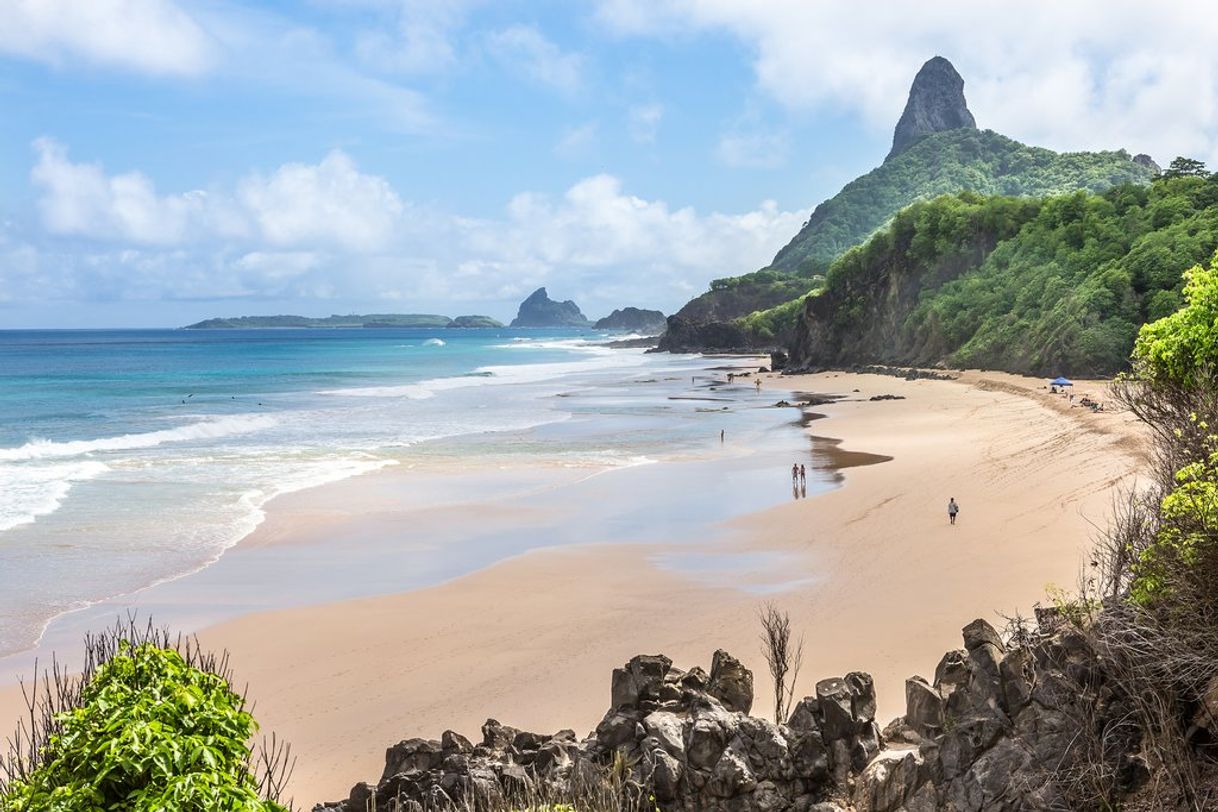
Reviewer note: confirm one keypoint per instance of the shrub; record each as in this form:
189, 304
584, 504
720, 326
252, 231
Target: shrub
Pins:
145, 729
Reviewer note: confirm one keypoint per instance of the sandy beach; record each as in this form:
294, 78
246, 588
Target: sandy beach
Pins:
871, 572
877, 581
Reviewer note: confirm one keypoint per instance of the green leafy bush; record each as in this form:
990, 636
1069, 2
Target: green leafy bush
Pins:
149, 732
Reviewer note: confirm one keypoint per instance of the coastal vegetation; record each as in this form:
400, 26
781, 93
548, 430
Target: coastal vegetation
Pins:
956, 162
980, 161
1039, 286
151, 723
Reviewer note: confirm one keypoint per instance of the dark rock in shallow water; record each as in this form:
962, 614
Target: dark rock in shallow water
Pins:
539, 310
936, 103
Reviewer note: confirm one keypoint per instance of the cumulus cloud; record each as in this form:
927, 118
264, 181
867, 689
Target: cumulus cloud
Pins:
329, 230
331, 202
525, 49
152, 36
327, 202
1081, 75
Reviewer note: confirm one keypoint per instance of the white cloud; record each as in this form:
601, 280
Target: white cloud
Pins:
644, 122
327, 230
152, 36
525, 49
329, 203
419, 38
82, 199
1087, 74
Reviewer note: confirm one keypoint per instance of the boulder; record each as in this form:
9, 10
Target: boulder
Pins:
730, 682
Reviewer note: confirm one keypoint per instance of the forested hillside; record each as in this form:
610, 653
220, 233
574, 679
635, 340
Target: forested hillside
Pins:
1058, 284
940, 152
980, 161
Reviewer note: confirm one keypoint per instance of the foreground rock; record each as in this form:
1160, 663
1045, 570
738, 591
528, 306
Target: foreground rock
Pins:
998, 728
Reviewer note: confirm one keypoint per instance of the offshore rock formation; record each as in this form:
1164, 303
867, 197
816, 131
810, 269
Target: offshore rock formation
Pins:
635, 320
539, 310
936, 103
997, 729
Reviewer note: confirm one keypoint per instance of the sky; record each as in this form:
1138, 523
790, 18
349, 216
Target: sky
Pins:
172, 160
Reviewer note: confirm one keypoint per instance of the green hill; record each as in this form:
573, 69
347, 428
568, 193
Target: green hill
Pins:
1043, 286
981, 161
941, 152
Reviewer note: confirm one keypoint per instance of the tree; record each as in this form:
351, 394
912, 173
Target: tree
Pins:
1183, 167
783, 659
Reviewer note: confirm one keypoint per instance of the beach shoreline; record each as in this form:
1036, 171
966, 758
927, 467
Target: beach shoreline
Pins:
874, 581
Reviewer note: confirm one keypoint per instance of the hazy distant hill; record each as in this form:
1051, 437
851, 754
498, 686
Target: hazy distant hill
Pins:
352, 320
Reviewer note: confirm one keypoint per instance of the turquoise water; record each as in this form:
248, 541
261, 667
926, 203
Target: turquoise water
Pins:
128, 458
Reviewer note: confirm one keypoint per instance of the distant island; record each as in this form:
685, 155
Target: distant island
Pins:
537, 310
373, 320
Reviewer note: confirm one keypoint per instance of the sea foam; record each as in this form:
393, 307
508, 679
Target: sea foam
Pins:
41, 449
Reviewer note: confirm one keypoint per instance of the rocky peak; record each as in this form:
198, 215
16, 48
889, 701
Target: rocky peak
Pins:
539, 310
936, 103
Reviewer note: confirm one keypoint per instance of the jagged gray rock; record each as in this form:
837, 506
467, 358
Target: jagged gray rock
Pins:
936, 103
992, 733
539, 310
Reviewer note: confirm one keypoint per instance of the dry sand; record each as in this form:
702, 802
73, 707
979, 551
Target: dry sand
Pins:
880, 582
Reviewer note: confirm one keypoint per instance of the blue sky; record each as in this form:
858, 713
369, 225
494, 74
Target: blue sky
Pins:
169, 160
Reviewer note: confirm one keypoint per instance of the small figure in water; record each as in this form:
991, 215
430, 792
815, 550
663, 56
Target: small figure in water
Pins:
795, 474
758, 382
803, 476
952, 509
721, 434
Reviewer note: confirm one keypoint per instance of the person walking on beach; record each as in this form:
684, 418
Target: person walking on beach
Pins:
803, 476
722, 434
952, 509
795, 474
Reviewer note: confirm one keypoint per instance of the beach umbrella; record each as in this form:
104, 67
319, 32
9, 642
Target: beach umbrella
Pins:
1059, 381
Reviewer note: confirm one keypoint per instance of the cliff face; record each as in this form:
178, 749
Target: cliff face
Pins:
936, 103
539, 310
862, 318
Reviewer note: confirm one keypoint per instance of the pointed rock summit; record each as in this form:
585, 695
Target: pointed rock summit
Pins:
936, 103
539, 310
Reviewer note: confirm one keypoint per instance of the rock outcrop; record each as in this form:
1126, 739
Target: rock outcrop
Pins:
635, 320
685, 335
539, 310
1001, 727
936, 104
684, 737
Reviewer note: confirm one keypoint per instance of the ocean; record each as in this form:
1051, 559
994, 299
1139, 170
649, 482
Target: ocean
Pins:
132, 457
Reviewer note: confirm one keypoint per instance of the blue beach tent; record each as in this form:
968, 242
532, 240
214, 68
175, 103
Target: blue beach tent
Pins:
1061, 382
